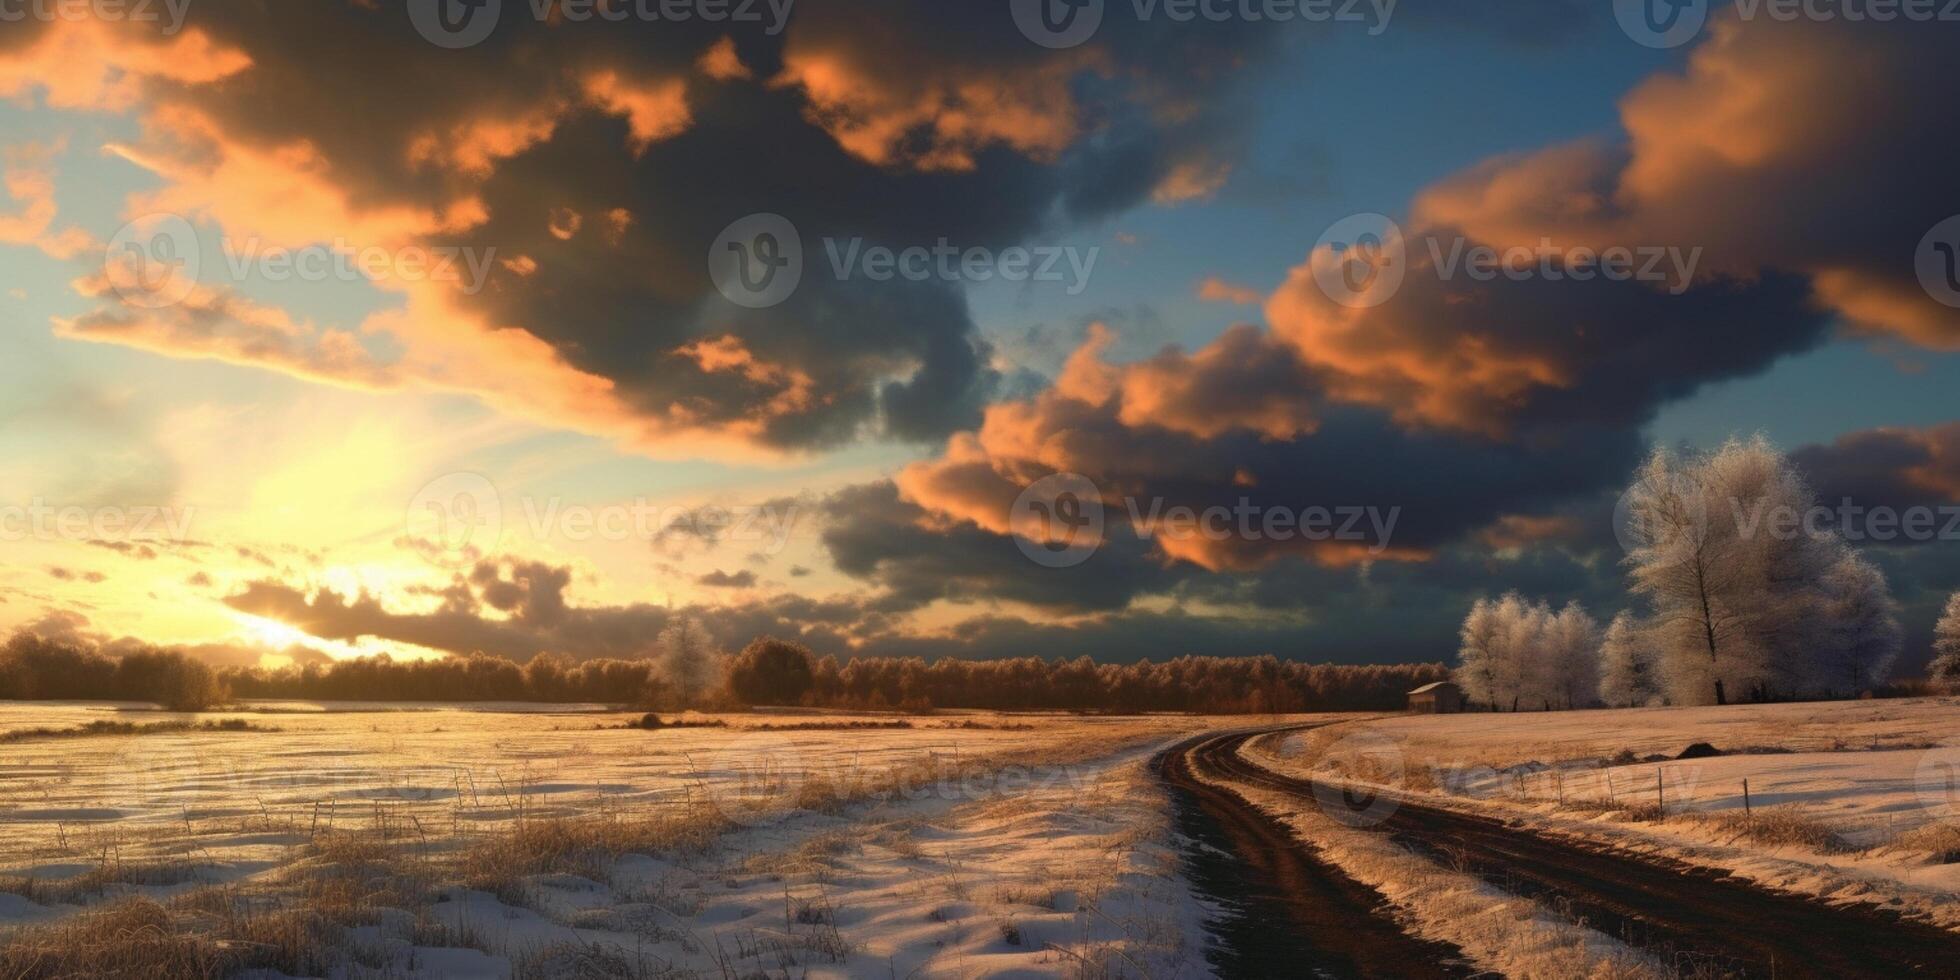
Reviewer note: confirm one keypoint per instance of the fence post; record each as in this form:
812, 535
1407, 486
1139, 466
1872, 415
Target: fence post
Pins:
1660, 791
1747, 810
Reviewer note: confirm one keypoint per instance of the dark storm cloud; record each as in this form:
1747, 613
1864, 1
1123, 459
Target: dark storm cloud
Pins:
601, 159
874, 535
1894, 467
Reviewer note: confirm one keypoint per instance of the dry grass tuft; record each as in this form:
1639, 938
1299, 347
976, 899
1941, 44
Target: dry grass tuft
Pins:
95, 729
1779, 828
131, 939
597, 961
100, 880
1631, 812
1026, 895
1941, 840
585, 846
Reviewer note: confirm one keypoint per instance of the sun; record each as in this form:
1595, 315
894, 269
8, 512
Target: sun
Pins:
274, 635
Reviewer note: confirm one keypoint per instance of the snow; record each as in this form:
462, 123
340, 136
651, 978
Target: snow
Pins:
1501, 933
1050, 849
1870, 772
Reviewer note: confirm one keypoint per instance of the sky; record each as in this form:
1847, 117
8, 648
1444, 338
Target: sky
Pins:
352, 327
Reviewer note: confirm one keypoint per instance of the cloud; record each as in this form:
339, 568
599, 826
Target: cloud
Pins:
1515, 358
1216, 290
29, 178
1805, 147
718, 579
1897, 467
897, 123
222, 325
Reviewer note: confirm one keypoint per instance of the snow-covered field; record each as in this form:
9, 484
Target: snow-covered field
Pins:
551, 842
1853, 801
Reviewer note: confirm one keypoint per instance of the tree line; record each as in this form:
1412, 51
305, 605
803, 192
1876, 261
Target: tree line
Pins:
1738, 597
687, 670
36, 669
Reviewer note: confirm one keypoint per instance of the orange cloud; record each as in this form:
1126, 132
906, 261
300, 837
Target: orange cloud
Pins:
1028, 108
1439, 353
222, 325
1939, 474
654, 110
29, 179
474, 146
1196, 180
103, 65
1519, 531
721, 63
1801, 146
1216, 290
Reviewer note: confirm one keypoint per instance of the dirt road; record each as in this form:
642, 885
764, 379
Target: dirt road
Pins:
1705, 922
1287, 912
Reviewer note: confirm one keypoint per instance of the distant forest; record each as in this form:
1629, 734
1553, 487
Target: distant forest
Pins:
767, 672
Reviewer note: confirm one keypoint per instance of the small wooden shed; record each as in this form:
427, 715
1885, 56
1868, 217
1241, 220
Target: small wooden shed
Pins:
1440, 698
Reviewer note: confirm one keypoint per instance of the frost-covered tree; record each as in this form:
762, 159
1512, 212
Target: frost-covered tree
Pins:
1750, 599
1476, 670
1571, 646
1946, 644
687, 660
1517, 635
1517, 653
1628, 664
1862, 636
1683, 559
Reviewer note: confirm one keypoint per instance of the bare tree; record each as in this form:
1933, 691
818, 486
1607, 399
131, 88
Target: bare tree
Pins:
1628, 664
1946, 644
